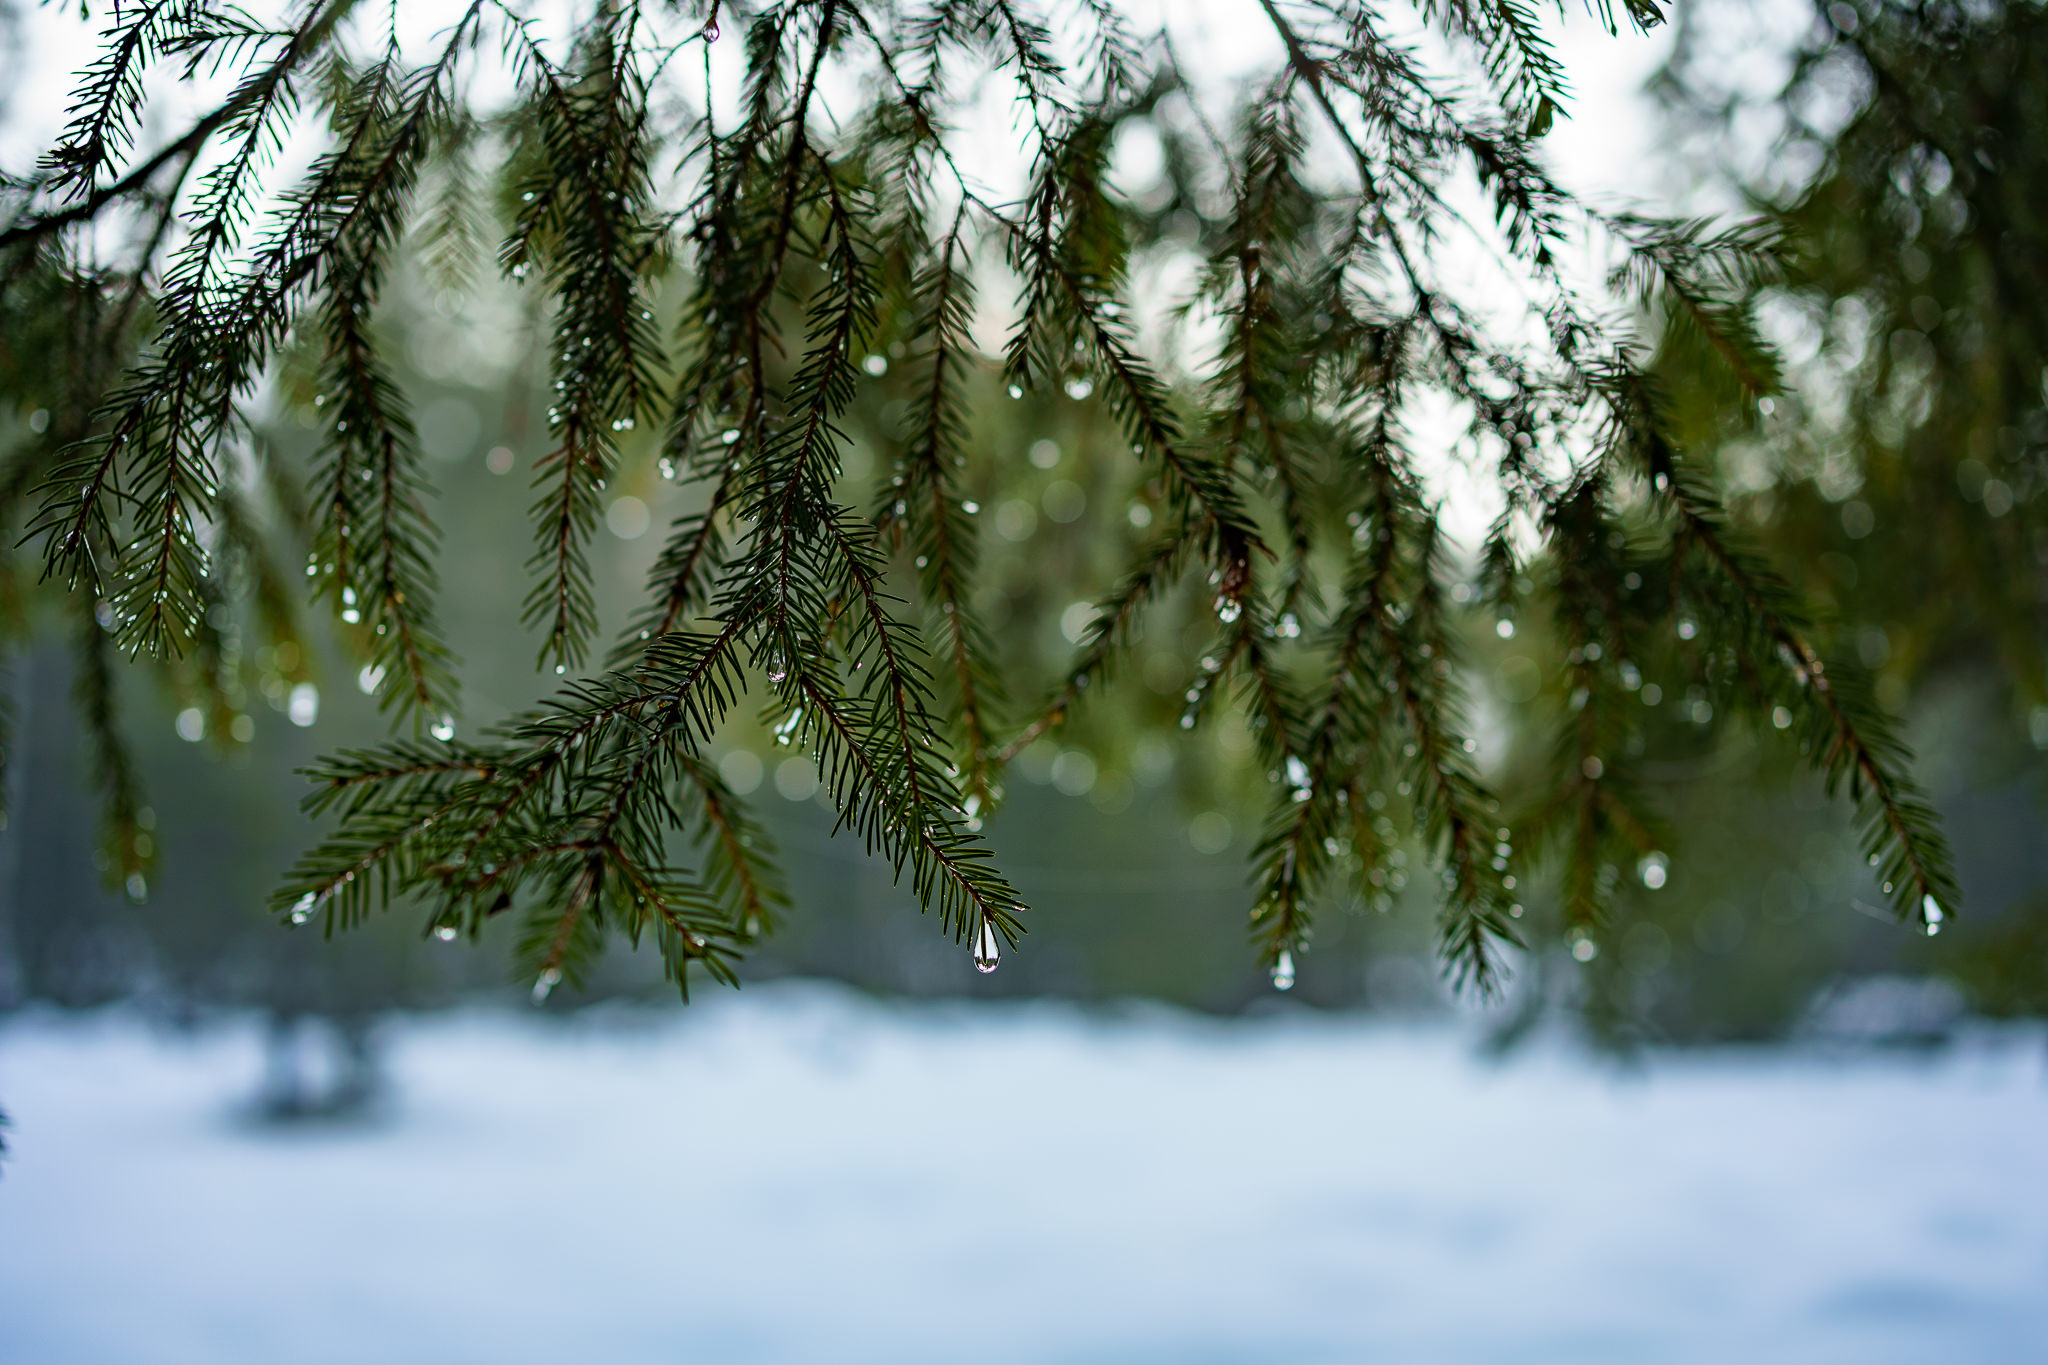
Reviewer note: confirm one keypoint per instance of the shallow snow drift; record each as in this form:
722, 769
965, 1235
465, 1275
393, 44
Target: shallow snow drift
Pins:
799, 1175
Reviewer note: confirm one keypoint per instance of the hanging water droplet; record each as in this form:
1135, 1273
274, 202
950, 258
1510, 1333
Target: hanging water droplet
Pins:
303, 910
560, 669
1016, 390
352, 616
988, 950
545, 986
1228, 610
446, 933
1283, 970
443, 729
730, 436
1930, 911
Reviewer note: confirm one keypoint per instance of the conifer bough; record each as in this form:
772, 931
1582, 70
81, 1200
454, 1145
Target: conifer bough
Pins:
812, 208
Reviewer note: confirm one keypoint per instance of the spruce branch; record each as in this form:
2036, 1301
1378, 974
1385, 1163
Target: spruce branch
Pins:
822, 216
923, 497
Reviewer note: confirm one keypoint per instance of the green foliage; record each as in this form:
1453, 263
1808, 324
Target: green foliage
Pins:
1898, 466
1285, 479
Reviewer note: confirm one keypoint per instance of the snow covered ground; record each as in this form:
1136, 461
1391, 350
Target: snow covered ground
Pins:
799, 1175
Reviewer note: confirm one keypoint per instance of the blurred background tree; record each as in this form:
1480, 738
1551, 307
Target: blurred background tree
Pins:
1902, 462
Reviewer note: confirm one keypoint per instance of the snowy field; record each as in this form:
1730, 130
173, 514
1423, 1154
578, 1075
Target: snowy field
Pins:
799, 1175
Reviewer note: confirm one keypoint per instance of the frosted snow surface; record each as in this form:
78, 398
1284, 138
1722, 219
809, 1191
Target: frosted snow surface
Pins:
798, 1175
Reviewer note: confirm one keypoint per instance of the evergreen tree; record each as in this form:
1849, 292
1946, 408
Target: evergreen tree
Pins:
1904, 466
814, 216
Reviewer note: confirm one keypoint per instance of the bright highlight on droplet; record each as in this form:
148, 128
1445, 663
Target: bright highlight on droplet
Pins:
545, 985
988, 949
1930, 913
1655, 870
446, 933
1283, 970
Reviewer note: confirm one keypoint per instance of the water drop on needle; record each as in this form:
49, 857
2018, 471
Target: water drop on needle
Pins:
446, 933
987, 950
1283, 970
546, 984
